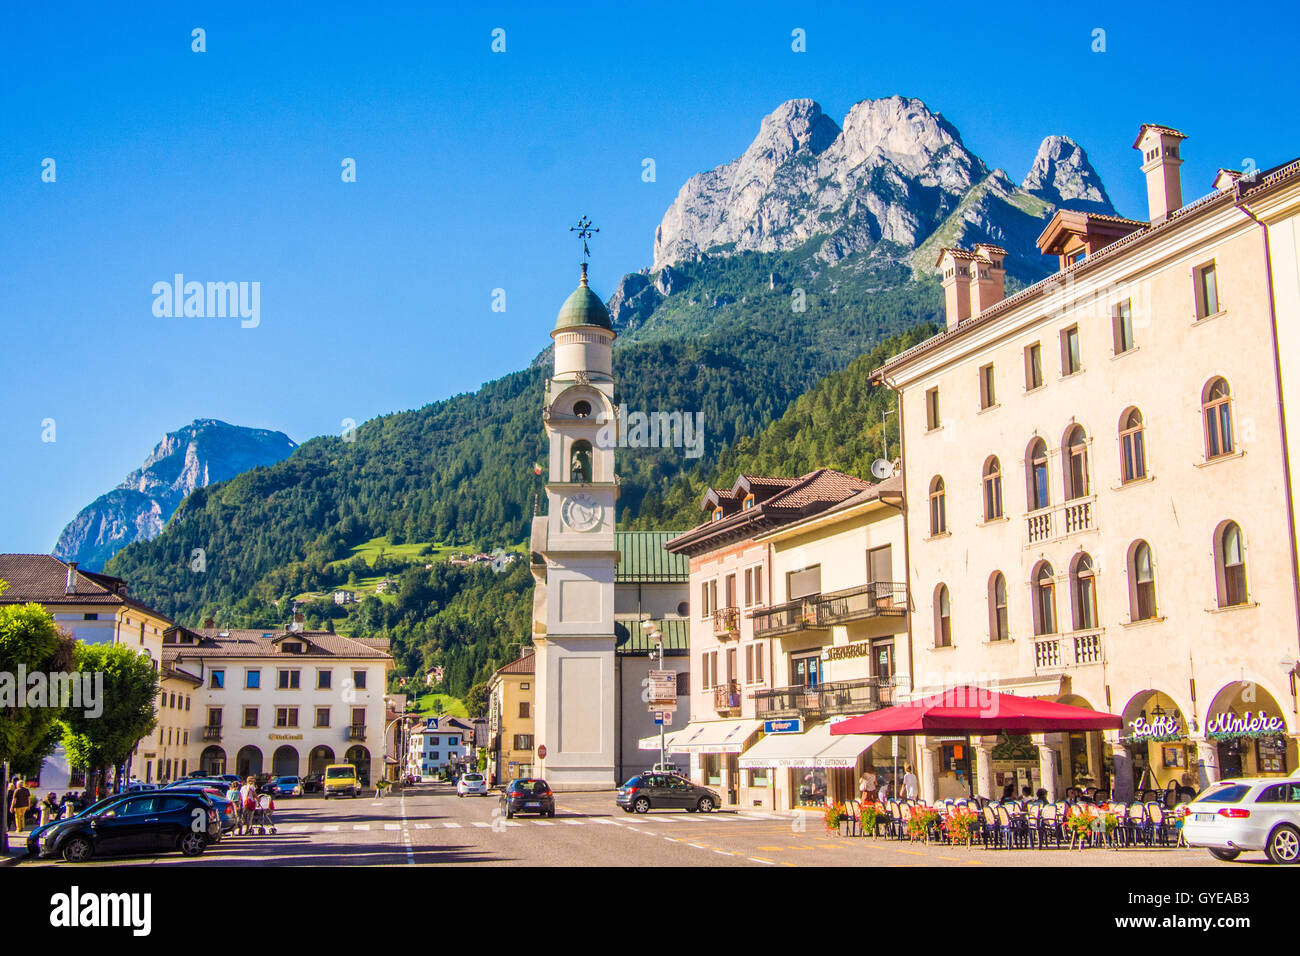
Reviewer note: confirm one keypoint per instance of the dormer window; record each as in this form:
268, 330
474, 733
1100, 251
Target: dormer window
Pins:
717, 514
748, 502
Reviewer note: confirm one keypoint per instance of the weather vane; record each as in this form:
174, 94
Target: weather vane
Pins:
584, 231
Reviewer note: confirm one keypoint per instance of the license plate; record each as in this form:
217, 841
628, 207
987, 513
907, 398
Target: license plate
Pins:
1205, 818
533, 804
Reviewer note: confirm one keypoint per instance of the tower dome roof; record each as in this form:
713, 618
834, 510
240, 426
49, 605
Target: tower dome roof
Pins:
583, 307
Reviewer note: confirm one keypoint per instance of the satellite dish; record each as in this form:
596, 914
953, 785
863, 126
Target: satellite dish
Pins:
882, 469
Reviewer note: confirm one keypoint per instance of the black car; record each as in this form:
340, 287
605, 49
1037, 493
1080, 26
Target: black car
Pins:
217, 794
528, 796
313, 783
139, 823
662, 791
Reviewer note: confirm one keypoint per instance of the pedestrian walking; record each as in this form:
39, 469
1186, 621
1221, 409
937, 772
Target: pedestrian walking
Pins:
19, 804
911, 786
868, 784
247, 804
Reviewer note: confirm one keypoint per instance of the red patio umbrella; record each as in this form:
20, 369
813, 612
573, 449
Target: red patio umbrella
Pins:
977, 710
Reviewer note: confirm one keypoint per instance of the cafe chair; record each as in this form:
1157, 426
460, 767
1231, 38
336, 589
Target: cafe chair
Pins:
1137, 824
1161, 823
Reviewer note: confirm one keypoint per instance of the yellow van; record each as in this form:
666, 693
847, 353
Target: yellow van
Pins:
341, 778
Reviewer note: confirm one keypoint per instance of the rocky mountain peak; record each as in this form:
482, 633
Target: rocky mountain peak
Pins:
1062, 176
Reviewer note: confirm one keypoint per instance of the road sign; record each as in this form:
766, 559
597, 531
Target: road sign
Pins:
668, 716
662, 690
541, 751
659, 718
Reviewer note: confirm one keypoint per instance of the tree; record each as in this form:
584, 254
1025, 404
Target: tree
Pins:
29, 639
95, 742
476, 701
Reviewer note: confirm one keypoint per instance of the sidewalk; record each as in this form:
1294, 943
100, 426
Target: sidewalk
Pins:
14, 856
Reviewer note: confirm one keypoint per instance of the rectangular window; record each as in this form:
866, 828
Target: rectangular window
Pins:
731, 664
286, 716
1122, 324
729, 590
704, 672
523, 742
803, 583
758, 663
1033, 367
252, 678
880, 565
713, 667
322, 716
1207, 291
324, 679
749, 664
250, 716
358, 717
749, 587
288, 680
218, 680
932, 409
704, 599
359, 680
683, 683
523, 708
713, 595
1070, 351
988, 392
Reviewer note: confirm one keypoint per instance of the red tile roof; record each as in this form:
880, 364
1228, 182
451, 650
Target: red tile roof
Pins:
523, 665
255, 642
42, 579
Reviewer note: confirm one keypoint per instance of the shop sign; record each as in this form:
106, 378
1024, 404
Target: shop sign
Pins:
284, 736
1250, 725
840, 652
1162, 728
792, 726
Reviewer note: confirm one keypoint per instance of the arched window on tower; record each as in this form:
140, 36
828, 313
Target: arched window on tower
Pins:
580, 462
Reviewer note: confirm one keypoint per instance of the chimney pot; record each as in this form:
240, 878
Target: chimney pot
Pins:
1159, 146
70, 586
955, 272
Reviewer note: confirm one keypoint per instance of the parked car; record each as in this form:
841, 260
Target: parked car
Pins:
285, 787
662, 791
341, 778
313, 783
471, 783
34, 837
1247, 813
527, 795
216, 792
156, 821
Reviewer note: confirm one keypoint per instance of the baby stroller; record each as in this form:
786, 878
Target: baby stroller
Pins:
263, 819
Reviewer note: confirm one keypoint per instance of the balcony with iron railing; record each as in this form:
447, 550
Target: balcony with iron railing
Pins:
356, 732
1058, 652
212, 733
1060, 521
877, 599
726, 623
788, 618
726, 696
827, 699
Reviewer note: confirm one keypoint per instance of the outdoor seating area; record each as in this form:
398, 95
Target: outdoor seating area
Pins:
1013, 824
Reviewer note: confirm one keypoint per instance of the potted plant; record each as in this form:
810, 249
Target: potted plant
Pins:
833, 816
869, 813
922, 823
960, 827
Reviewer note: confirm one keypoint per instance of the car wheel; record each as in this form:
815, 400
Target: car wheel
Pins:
1226, 855
705, 804
641, 805
1284, 845
78, 850
192, 844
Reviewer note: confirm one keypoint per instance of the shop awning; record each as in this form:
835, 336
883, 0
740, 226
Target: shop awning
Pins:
714, 737
977, 710
787, 750
844, 751
652, 743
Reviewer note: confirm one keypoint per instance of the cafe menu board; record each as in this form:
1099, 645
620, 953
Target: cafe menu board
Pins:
1270, 754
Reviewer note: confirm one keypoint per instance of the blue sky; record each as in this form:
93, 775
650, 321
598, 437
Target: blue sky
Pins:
376, 295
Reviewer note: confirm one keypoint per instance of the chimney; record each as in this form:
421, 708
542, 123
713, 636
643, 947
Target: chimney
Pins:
209, 623
990, 278
70, 587
955, 268
1160, 162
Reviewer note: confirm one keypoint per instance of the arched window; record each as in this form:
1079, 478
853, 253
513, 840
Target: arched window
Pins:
1076, 463
1216, 407
1132, 446
942, 618
938, 507
1036, 474
1044, 600
1142, 592
1231, 570
1085, 594
992, 489
580, 462
998, 625
582, 409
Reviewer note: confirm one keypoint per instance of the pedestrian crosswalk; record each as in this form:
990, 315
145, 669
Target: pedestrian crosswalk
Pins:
656, 820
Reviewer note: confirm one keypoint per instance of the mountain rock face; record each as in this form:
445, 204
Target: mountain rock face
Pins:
895, 172
195, 456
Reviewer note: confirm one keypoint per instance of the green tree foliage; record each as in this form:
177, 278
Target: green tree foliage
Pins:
29, 639
97, 741
476, 701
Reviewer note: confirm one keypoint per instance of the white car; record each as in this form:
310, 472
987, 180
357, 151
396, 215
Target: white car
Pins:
471, 783
1250, 813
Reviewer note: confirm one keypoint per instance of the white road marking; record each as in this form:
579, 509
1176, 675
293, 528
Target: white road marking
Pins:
480, 824
758, 815
544, 823
424, 826
723, 853
331, 828
392, 826
612, 823
698, 846
574, 823
406, 834
361, 826
765, 862
452, 826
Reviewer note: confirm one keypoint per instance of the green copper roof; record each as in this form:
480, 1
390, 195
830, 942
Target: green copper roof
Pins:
677, 639
583, 307
643, 560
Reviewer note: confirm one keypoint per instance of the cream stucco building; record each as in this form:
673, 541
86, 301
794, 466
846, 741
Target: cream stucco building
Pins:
1101, 489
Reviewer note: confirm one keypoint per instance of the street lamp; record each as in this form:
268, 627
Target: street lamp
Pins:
657, 656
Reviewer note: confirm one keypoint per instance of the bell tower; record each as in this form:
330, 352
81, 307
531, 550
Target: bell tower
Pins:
574, 550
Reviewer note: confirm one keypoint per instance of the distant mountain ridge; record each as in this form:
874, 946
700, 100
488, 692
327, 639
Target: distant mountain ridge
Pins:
195, 456
895, 173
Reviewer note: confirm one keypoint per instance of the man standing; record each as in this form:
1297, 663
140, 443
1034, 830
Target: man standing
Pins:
911, 786
18, 804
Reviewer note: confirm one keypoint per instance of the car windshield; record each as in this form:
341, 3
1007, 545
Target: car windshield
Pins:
340, 772
1231, 793
473, 777
287, 780
530, 786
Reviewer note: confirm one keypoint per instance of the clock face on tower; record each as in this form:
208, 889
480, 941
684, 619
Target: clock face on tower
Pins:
581, 512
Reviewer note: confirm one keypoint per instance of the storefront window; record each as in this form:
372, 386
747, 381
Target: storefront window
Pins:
812, 786
759, 778
1270, 754
712, 764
